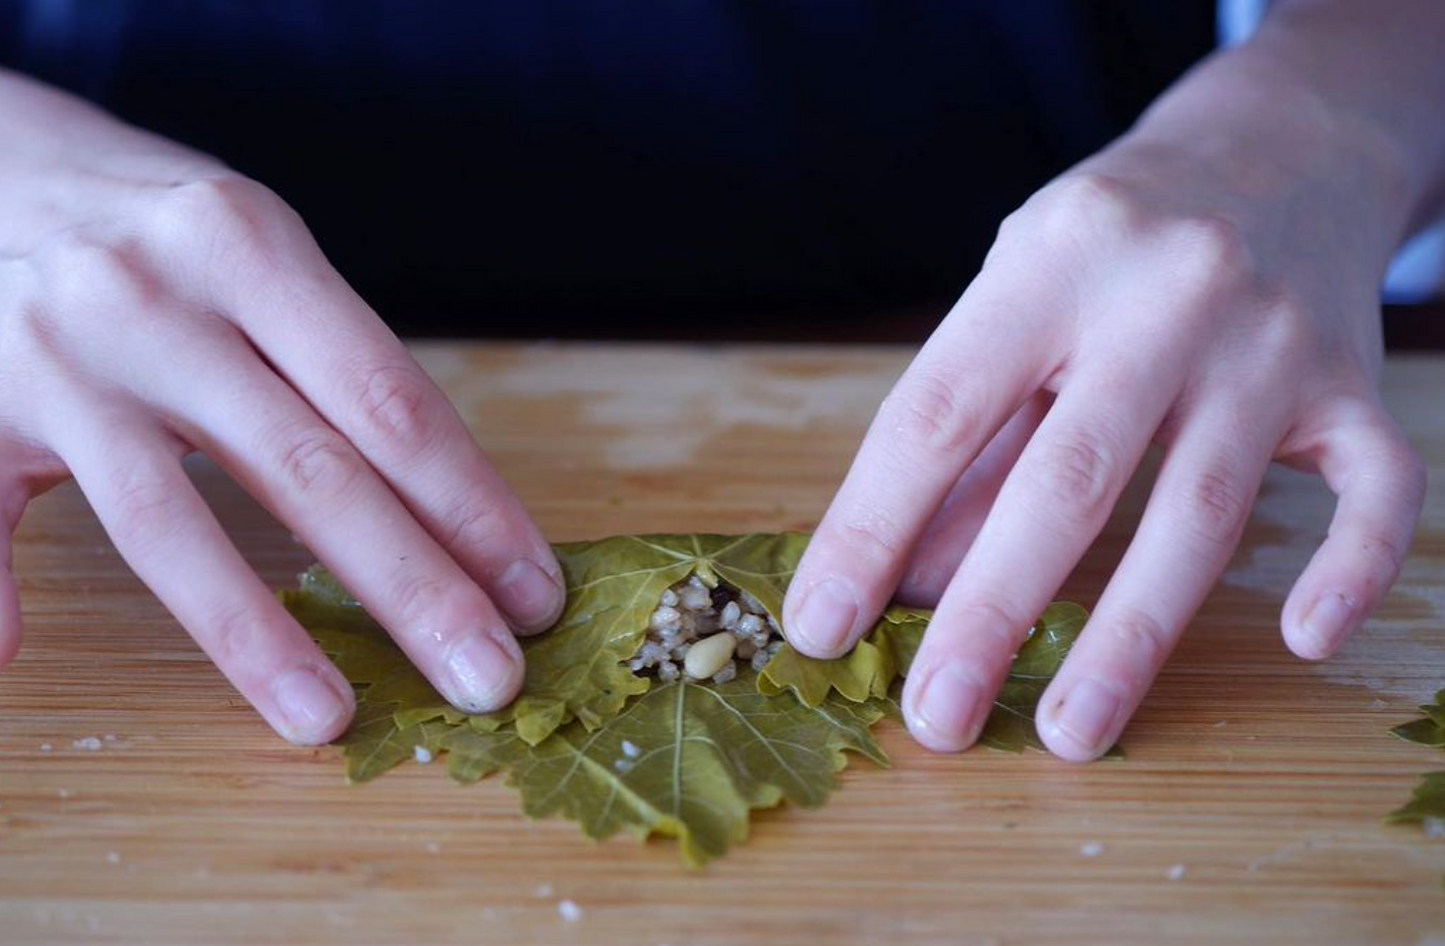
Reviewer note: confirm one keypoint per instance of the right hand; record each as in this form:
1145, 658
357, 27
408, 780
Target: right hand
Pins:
154, 303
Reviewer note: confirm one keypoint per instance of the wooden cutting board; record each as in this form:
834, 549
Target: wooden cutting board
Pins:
1248, 808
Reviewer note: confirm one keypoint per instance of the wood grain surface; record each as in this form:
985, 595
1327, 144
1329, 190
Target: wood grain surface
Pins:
1248, 809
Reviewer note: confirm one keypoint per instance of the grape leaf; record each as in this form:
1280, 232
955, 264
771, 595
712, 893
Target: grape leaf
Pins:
1429, 731
865, 673
577, 670
590, 741
887, 652
691, 761
1426, 805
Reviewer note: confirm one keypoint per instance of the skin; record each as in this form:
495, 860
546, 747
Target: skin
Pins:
1208, 283
154, 303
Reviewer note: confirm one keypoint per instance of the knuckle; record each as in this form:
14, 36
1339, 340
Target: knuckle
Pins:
1004, 627
1385, 551
235, 212
1142, 637
394, 409
1212, 248
1290, 327
236, 638
435, 609
1215, 506
869, 536
416, 595
928, 412
1074, 477
147, 510
1082, 204
316, 461
473, 522
1413, 474
83, 271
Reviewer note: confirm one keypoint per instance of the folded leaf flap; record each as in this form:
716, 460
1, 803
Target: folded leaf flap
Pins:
888, 651
691, 761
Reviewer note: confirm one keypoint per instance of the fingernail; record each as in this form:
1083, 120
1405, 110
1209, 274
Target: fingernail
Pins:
825, 617
1085, 716
1327, 622
311, 708
946, 713
528, 595
484, 677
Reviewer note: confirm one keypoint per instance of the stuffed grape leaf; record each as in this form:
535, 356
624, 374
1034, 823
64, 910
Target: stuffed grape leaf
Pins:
593, 742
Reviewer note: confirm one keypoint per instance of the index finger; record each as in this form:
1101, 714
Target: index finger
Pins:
333, 349
973, 374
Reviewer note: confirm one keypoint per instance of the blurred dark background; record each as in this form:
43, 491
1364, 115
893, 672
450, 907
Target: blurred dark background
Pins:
829, 170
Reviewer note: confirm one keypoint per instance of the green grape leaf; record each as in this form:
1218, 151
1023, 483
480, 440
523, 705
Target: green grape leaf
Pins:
590, 741
578, 669
1429, 731
1426, 805
867, 672
887, 652
691, 761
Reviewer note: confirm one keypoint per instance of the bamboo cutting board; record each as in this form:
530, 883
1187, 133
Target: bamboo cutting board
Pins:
1248, 809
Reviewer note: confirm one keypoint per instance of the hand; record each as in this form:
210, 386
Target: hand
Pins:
1212, 294
153, 303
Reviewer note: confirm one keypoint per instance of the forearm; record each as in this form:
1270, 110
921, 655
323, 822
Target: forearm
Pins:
1334, 97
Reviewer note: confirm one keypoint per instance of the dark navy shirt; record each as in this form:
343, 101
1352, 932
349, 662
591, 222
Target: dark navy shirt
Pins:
591, 167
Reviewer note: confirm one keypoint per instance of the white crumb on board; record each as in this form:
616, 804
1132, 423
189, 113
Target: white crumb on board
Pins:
569, 911
88, 744
1176, 872
113, 857
1091, 849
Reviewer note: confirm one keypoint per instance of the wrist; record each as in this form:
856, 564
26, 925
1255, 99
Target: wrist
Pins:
1249, 128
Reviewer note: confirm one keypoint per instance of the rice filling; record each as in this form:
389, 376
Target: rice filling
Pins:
690, 612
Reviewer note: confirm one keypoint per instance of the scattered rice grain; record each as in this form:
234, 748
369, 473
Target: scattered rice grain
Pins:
569, 911
630, 750
88, 744
422, 755
1091, 849
1176, 872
